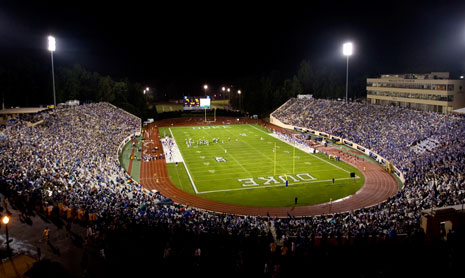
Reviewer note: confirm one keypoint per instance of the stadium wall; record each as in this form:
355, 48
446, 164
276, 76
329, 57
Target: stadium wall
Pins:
346, 142
121, 145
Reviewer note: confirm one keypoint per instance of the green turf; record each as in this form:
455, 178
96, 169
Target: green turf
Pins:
248, 176
220, 104
168, 107
124, 159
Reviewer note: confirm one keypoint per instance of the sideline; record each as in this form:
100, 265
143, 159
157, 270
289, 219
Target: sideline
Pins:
185, 166
300, 148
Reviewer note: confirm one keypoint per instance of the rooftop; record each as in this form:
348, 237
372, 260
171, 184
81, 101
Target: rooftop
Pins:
25, 110
432, 75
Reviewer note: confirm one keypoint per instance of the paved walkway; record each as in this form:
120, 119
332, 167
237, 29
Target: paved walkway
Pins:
64, 248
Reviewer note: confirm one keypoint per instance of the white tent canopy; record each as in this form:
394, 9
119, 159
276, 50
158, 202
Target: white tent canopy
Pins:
461, 110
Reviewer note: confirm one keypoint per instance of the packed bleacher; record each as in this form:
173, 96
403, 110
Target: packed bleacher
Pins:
434, 176
66, 167
70, 161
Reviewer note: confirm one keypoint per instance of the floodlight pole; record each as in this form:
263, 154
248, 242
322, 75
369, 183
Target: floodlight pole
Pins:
347, 50
239, 92
52, 48
347, 80
53, 81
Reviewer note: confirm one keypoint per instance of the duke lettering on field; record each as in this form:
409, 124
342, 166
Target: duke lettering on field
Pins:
276, 180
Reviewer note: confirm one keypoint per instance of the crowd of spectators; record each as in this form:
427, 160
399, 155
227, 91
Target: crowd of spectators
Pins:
68, 164
70, 161
433, 178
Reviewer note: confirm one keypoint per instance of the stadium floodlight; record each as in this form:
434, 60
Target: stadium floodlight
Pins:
347, 50
52, 48
51, 43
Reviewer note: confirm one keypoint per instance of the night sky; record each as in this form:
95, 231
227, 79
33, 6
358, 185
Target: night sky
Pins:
156, 44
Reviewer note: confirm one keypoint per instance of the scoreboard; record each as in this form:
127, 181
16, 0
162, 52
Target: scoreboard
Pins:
196, 103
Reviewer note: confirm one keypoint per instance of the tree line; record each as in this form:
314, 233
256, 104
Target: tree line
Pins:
27, 83
267, 92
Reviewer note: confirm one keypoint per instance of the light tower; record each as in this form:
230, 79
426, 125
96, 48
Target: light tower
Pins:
52, 48
347, 50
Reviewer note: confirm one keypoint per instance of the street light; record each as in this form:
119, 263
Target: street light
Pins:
347, 50
205, 87
224, 94
240, 104
52, 48
5, 221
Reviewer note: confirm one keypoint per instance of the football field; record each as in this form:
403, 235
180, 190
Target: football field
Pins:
247, 165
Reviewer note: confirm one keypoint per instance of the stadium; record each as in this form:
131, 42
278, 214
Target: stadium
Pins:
111, 191
124, 180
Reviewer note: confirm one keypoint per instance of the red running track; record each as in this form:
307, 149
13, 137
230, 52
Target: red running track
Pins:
379, 184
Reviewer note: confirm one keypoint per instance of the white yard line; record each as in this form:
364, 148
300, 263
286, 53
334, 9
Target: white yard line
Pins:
246, 170
185, 166
332, 164
296, 146
258, 151
237, 162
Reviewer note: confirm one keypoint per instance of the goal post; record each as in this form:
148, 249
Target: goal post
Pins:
214, 116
